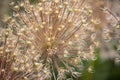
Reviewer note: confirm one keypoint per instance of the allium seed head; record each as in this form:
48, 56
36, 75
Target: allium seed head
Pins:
50, 38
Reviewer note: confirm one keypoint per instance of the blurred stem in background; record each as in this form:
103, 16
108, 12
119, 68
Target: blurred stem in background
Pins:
3, 10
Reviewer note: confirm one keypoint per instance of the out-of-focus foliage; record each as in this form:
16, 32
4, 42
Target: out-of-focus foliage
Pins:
102, 70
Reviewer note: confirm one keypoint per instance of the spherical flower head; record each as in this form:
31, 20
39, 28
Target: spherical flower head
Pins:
54, 36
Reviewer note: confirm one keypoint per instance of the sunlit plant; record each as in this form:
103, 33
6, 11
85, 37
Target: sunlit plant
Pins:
51, 38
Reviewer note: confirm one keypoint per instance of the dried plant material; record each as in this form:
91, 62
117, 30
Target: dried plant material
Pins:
52, 37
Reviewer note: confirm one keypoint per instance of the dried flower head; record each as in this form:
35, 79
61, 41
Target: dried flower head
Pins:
53, 37
8, 44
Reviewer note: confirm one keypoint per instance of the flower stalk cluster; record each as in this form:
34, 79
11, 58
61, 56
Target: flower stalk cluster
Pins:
49, 39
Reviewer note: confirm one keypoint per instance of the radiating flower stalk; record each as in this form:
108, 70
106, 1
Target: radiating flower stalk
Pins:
8, 45
48, 40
